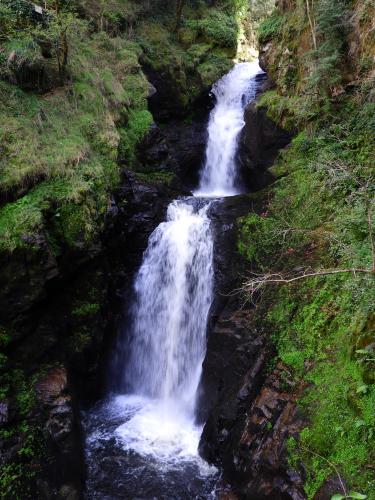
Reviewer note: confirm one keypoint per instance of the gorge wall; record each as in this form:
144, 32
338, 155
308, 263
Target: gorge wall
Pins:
86, 175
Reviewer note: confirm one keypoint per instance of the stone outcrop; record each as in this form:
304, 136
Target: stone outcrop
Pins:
260, 143
64, 474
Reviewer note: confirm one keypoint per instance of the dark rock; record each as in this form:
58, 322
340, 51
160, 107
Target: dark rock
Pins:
153, 150
228, 263
171, 97
65, 472
24, 276
330, 487
247, 431
233, 365
249, 415
187, 145
260, 143
4, 412
178, 147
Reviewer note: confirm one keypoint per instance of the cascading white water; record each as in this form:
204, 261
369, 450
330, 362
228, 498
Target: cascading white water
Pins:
173, 291
173, 294
233, 92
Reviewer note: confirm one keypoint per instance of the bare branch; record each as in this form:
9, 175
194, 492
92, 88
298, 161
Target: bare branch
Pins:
255, 284
331, 464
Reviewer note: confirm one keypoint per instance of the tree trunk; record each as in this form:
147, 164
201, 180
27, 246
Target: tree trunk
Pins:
179, 8
312, 23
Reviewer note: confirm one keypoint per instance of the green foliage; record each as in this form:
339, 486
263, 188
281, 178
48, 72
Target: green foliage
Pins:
86, 309
77, 133
138, 125
253, 243
164, 178
271, 27
213, 68
219, 29
315, 327
325, 70
317, 218
15, 475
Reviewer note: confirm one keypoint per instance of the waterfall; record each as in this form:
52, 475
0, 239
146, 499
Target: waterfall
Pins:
173, 294
233, 92
150, 424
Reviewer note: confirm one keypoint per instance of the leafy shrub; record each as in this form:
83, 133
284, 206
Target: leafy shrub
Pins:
271, 27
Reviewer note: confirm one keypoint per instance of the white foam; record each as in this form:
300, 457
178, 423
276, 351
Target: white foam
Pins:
160, 430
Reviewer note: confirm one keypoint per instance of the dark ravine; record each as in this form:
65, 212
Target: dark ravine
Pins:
52, 336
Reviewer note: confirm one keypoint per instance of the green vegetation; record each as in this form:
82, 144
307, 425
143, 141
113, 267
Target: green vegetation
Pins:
73, 102
320, 218
76, 129
270, 27
323, 327
15, 477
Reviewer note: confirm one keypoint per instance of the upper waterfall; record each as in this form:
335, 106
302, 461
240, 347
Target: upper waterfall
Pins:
233, 92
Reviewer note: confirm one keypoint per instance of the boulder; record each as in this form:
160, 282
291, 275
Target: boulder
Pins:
259, 145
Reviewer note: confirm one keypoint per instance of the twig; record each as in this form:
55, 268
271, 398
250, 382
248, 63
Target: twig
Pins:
371, 238
332, 465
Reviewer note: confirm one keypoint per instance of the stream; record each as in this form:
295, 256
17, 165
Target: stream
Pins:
142, 441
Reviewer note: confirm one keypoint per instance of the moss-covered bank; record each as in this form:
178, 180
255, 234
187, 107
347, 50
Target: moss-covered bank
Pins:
320, 218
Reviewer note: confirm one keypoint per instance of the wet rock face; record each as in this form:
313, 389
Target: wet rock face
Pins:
177, 148
187, 146
252, 414
260, 143
170, 99
24, 276
249, 413
232, 369
66, 316
258, 461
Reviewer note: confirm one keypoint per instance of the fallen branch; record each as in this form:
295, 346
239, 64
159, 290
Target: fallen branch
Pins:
331, 464
369, 221
255, 284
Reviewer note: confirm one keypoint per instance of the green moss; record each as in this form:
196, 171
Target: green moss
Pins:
213, 68
78, 133
138, 125
317, 218
164, 178
16, 476
86, 309
219, 29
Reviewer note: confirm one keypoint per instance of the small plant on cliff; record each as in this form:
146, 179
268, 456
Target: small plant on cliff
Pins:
271, 27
